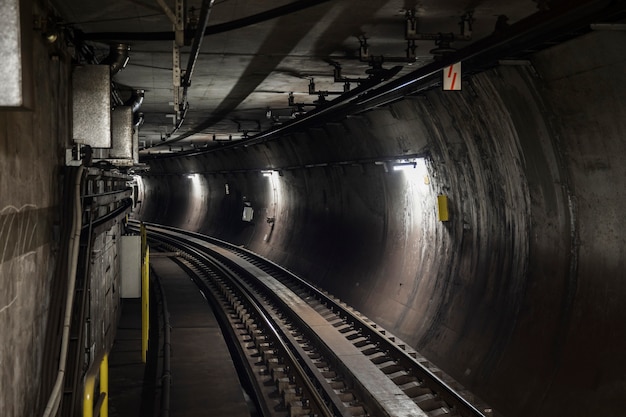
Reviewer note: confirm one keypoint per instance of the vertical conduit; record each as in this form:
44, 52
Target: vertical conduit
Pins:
55, 397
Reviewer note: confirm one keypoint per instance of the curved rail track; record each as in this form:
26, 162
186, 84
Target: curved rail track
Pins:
305, 352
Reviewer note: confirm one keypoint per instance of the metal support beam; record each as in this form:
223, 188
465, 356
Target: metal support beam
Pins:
167, 11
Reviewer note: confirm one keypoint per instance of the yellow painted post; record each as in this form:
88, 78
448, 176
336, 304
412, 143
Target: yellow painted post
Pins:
145, 304
90, 382
104, 385
144, 239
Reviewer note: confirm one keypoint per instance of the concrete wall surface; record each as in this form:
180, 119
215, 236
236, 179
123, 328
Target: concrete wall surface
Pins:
32, 152
31, 143
520, 295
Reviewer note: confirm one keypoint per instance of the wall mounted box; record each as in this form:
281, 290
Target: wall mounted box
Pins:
442, 208
124, 150
130, 266
16, 50
121, 152
92, 105
122, 133
248, 214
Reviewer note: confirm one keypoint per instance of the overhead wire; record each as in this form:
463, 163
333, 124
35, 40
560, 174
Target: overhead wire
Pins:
113, 19
274, 13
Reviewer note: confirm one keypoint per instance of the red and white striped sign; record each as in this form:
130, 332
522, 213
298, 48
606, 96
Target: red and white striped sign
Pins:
452, 77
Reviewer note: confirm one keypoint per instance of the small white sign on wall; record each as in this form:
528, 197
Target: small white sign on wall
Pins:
130, 266
452, 77
248, 213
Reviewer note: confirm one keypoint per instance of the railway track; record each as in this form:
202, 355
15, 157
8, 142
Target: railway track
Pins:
305, 352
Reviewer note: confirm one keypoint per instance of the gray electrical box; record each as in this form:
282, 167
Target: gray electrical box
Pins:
122, 133
130, 266
124, 150
16, 71
92, 105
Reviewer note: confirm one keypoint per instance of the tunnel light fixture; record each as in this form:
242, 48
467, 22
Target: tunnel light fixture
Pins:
195, 182
404, 166
195, 178
415, 171
266, 173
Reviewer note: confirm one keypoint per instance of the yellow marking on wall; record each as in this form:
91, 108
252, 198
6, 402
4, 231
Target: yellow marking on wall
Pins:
442, 208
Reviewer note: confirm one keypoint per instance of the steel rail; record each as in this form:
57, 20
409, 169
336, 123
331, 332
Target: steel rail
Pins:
368, 330
300, 375
309, 337
166, 374
231, 333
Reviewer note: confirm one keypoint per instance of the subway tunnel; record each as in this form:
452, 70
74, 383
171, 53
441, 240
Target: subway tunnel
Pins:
522, 280
483, 226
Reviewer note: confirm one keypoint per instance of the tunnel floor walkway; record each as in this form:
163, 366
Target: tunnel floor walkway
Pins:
204, 378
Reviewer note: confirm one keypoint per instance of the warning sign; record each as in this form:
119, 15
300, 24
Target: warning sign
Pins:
452, 77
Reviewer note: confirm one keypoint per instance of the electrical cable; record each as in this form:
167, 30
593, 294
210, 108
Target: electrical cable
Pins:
113, 19
210, 30
54, 400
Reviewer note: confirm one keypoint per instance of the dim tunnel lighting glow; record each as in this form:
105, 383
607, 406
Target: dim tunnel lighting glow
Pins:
195, 182
138, 179
274, 198
404, 166
415, 171
138, 190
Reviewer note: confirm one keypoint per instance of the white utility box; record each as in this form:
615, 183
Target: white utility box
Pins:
130, 266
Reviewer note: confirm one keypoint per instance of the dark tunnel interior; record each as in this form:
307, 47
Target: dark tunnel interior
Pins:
483, 228
522, 280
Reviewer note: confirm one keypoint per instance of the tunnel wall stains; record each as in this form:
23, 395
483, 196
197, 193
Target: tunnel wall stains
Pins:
30, 144
518, 295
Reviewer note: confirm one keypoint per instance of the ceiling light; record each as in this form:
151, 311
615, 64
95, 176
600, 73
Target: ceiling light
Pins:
404, 166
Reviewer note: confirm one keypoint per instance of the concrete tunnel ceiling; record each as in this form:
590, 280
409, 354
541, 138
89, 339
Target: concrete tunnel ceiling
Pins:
244, 74
520, 294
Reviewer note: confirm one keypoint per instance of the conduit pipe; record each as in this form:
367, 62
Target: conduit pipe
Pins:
136, 100
210, 30
117, 58
170, 14
203, 21
522, 36
55, 397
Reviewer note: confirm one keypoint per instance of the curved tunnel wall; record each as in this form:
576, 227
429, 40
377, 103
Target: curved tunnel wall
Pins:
519, 295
